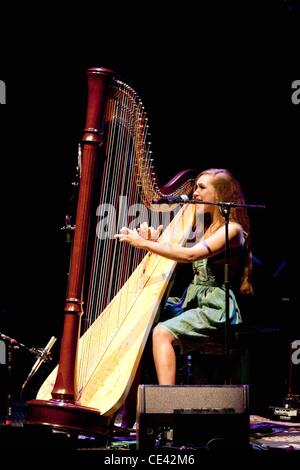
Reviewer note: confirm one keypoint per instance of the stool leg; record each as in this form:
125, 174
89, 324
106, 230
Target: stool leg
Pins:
185, 371
189, 369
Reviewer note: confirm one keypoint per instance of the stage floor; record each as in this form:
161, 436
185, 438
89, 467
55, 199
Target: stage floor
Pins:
270, 434
264, 434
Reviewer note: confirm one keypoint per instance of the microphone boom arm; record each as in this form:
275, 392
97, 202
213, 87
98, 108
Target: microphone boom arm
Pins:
183, 199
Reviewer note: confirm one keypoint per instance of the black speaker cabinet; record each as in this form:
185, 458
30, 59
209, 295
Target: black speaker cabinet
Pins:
193, 416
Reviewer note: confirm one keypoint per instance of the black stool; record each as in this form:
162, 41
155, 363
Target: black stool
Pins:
255, 358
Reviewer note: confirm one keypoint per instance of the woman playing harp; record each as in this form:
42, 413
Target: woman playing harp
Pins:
201, 310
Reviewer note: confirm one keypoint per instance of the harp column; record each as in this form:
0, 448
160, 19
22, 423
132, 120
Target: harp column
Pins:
62, 409
65, 387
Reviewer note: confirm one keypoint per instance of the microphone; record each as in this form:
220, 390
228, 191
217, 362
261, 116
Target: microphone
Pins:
43, 356
182, 198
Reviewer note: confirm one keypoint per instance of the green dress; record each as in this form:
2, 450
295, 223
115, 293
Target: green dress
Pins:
201, 310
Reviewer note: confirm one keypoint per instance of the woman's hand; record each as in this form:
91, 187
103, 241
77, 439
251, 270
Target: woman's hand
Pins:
136, 237
130, 236
149, 233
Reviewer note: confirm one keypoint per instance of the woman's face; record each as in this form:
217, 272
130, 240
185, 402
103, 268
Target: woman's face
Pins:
204, 190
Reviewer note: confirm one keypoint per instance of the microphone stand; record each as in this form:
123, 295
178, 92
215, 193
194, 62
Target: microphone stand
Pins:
69, 228
225, 211
225, 208
12, 344
42, 355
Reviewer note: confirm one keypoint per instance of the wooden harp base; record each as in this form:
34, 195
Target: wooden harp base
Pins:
63, 415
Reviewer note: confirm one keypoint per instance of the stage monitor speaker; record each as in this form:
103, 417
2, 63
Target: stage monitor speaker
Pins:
193, 416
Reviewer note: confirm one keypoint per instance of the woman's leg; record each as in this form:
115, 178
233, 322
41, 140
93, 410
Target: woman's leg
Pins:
164, 356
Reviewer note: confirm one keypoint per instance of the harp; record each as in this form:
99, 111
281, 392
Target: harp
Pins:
104, 336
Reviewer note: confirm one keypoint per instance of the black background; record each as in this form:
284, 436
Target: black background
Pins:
216, 83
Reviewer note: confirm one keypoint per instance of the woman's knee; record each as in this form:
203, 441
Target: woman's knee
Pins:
160, 334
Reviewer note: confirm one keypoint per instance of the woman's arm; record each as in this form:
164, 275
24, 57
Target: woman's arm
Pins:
204, 249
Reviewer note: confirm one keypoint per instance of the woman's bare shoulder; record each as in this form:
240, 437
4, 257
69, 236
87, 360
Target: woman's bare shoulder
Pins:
237, 232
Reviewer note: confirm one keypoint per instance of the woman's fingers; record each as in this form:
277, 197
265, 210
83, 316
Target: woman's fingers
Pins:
159, 230
155, 233
144, 231
149, 233
123, 235
128, 235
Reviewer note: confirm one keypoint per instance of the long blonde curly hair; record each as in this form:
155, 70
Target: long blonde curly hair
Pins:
228, 189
